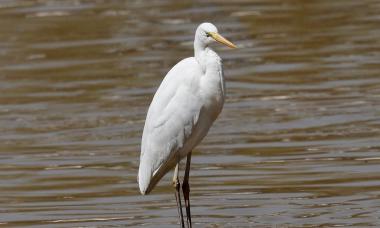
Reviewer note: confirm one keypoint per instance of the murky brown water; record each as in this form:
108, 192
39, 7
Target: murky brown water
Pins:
297, 145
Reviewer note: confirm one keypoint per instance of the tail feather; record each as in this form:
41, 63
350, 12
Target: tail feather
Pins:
148, 178
144, 177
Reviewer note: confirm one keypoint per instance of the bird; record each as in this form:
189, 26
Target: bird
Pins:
184, 107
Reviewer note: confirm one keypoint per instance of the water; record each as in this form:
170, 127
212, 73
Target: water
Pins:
297, 144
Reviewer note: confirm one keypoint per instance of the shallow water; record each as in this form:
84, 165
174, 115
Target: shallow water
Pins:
297, 144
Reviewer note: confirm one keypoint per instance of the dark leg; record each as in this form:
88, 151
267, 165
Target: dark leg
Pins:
186, 190
177, 187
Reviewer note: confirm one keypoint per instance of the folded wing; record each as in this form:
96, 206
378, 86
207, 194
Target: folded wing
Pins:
172, 126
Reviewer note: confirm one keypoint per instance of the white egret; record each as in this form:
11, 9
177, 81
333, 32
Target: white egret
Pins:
188, 101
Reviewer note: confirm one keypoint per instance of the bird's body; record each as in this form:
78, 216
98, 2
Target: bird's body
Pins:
187, 102
180, 115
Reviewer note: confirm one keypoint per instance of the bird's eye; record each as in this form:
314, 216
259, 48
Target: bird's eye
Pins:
207, 34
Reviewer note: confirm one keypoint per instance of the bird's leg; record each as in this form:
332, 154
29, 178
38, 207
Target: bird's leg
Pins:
186, 190
177, 187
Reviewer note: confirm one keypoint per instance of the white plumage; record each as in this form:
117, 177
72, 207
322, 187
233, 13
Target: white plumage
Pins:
189, 99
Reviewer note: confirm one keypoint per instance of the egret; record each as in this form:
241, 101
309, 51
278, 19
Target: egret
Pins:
187, 102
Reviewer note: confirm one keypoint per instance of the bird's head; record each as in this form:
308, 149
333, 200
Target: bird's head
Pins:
207, 33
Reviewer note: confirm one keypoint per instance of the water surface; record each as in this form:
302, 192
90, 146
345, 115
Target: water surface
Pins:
297, 144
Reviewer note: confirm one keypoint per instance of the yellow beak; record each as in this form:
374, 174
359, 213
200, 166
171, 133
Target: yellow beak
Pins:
222, 40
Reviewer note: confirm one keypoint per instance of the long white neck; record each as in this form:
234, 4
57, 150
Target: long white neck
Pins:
205, 55
199, 52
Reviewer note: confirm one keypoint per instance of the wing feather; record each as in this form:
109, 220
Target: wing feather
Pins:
171, 119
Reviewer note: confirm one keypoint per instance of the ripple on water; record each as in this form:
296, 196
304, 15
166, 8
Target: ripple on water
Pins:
296, 145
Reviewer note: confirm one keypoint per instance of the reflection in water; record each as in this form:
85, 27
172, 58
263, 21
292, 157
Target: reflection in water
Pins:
297, 144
